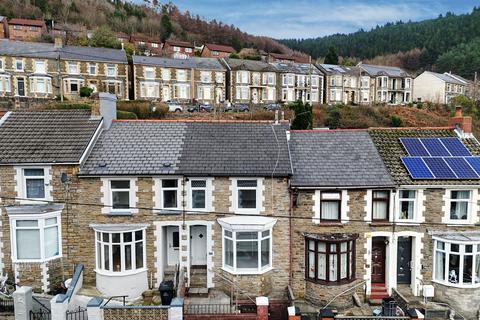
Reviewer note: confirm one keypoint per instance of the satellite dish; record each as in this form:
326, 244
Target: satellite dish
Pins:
64, 177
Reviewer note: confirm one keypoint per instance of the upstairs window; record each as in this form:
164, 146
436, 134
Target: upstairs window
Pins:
247, 194
149, 73
73, 68
181, 75
120, 194
170, 194
111, 70
219, 77
92, 69
380, 205
188, 50
34, 182
407, 205
330, 205
165, 74
205, 76
40, 67
460, 205
19, 65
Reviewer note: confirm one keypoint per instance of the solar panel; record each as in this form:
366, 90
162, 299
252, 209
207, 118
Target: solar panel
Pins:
475, 163
417, 168
414, 147
456, 147
461, 168
435, 147
439, 168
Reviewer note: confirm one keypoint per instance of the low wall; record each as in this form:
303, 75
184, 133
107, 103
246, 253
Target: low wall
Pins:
136, 313
240, 316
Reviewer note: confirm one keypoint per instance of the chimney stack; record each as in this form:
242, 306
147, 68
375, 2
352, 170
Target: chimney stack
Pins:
107, 109
461, 123
58, 43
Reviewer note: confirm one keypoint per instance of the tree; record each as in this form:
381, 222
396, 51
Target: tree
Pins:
332, 56
104, 37
167, 27
303, 115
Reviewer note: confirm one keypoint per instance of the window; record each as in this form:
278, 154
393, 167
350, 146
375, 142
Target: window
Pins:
380, 205
165, 74
15, 27
73, 86
92, 69
120, 190
460, 205
215, 53
154, 45
176, 49
181, 75
35, 238
243, 77
73, 68
200, 194
219, 77
170, 194
188, 50
120, 251
149, 89
1, 64
19, 65
330, 259
5, 84
330, 205
247, 195
40, 85
111, 71
40, 67
256, 79
242, 93
407, 204
149, 73
456, 263
247, 251
34, 182
205, 76
288, 79
181, 91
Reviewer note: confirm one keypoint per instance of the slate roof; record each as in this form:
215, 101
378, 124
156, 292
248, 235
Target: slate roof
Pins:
250, 65
205, 148
338, 69
53, 136
27, 22
165, 62
297, 68
179, 43
374, 70
387, 142
336, 158
446, 77
220, 47
208, 64
48, 50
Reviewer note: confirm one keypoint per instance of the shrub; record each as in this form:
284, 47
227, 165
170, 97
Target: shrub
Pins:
396, 121
303, 115
67, 105
141, 108
86, 91
159, 110
125, 115
333, 117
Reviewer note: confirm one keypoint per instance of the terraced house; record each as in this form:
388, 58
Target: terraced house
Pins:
347, 85
298, 81
44, 70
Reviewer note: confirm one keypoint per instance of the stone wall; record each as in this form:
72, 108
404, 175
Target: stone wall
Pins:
466, 301
144, 313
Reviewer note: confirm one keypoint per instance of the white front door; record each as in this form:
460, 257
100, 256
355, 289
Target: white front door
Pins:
173, 244
255, 96
166, 93
198, 245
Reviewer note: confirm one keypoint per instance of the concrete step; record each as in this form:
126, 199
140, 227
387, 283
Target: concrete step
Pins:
198, 291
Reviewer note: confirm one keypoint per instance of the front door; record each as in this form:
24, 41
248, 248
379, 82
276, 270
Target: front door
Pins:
255, 96
173, 244
21, 87
166, 93
404, 260
198, 245
378, 261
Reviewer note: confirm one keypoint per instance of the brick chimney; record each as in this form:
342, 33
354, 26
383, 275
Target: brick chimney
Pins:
58, 43
461, 123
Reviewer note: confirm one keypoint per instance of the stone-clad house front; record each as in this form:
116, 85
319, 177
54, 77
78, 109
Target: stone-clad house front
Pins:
45, 70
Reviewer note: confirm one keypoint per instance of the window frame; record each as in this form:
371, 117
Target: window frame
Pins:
338, 201
469, 201
208, 194
147, 70
41, 226
108, 68
387, 200
22, 187
70, 66
107, 198
415, 201
17, 61
159, 194
100, 265
258, 199
351, 259
44, 69
90, 66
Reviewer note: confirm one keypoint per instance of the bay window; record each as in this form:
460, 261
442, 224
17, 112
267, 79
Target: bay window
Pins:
380, 205
120, 251
407, 199
457, 263
247, 251
459, 205
36, 238
330, 205
330, 258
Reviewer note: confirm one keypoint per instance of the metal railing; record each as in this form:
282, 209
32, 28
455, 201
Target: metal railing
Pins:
77, 314
402, 302
371, 318
6, 304
209, 309
40, 315
42, 306
116, 297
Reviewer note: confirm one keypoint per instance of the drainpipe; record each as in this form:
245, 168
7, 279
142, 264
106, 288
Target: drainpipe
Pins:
290, 231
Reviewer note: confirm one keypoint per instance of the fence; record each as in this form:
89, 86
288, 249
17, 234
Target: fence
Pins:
6, 304
402, 302
77, 314
209, 309
40, 315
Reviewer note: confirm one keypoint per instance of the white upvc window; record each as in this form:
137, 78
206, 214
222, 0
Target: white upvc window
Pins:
315, 81
120, 252
111, 70
181, 75
40, 66
460, 206
176, 49
19, 65
288, 79
5, 83
181, 91
149, 89
154, 45
408, 83
219, 77
247, 195
149, 72
365, 82
204, 92
247, 252
36, 238
168, 194
188, 50
256, 79
119, 196
407, 205
243, 77
199, 192
242, 93
73, 68
2, 64
33, 183
205, 76
40, 85
92, 69
456, 263
166, 74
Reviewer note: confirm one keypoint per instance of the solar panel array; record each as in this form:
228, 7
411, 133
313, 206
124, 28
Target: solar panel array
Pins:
439, 158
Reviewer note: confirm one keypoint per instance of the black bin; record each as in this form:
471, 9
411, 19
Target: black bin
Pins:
166, 292
389, 307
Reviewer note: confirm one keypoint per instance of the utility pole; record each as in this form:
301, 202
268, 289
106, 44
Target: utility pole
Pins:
475, 87
310, 77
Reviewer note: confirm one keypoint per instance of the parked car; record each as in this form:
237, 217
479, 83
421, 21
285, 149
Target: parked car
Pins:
272, 107
174, 106
201, 107
237, 107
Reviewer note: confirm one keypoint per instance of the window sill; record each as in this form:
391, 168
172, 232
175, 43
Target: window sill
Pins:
119, 213
246, 272
380, 223
457, 285
171, 211
36, 260
247, 212
119, 273
323, 223
458, 223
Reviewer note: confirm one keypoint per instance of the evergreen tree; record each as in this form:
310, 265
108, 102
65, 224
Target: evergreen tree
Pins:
303, 115
167, 27
332, 56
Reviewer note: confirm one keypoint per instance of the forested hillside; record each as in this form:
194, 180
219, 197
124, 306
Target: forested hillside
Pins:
151, 18
429, 44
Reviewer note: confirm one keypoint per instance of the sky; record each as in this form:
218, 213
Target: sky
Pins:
314, 18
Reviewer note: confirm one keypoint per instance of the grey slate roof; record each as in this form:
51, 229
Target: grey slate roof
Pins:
336, 159
164, 62
250, 65
54, 136
338, 69
446, 77
297, 68
208, 64
375, 70
149, 148
47, 50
